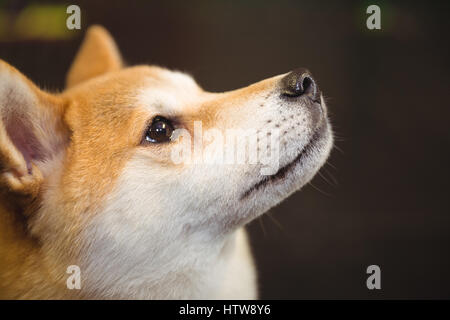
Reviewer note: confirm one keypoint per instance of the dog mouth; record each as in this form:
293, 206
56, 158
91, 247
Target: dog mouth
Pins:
286, 169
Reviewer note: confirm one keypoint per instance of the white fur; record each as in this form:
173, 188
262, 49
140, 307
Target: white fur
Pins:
178, 234
169, 232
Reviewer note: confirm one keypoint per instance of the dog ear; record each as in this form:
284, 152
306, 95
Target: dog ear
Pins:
97, 55
31, 131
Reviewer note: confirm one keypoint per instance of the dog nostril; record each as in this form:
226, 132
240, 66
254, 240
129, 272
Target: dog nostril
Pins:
307, 84
299, 82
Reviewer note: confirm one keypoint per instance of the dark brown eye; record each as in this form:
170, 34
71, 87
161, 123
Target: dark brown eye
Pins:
160, 130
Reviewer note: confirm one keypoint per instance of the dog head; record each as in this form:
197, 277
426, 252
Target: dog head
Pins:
139, 166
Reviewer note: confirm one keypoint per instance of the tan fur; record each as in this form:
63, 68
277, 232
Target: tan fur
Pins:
92, 134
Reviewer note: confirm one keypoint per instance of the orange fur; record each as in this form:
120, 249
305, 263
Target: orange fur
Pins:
99, 122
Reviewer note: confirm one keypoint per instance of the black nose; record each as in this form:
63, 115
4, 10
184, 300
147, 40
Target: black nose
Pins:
299, 82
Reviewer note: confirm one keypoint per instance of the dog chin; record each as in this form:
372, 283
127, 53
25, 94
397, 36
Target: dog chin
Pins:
271, 190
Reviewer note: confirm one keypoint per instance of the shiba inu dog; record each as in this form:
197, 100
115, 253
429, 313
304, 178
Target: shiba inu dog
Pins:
87, 179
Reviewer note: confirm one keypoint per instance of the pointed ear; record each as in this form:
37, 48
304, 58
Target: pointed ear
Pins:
31, 131
97, 55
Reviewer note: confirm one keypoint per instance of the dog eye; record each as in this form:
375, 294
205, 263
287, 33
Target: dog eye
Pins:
160, 130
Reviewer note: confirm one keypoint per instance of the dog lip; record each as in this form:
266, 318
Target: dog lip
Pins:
317, 101
283, 171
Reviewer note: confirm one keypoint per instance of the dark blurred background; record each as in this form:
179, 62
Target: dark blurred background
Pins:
383, 197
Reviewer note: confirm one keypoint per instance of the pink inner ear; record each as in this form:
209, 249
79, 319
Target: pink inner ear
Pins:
21, 134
